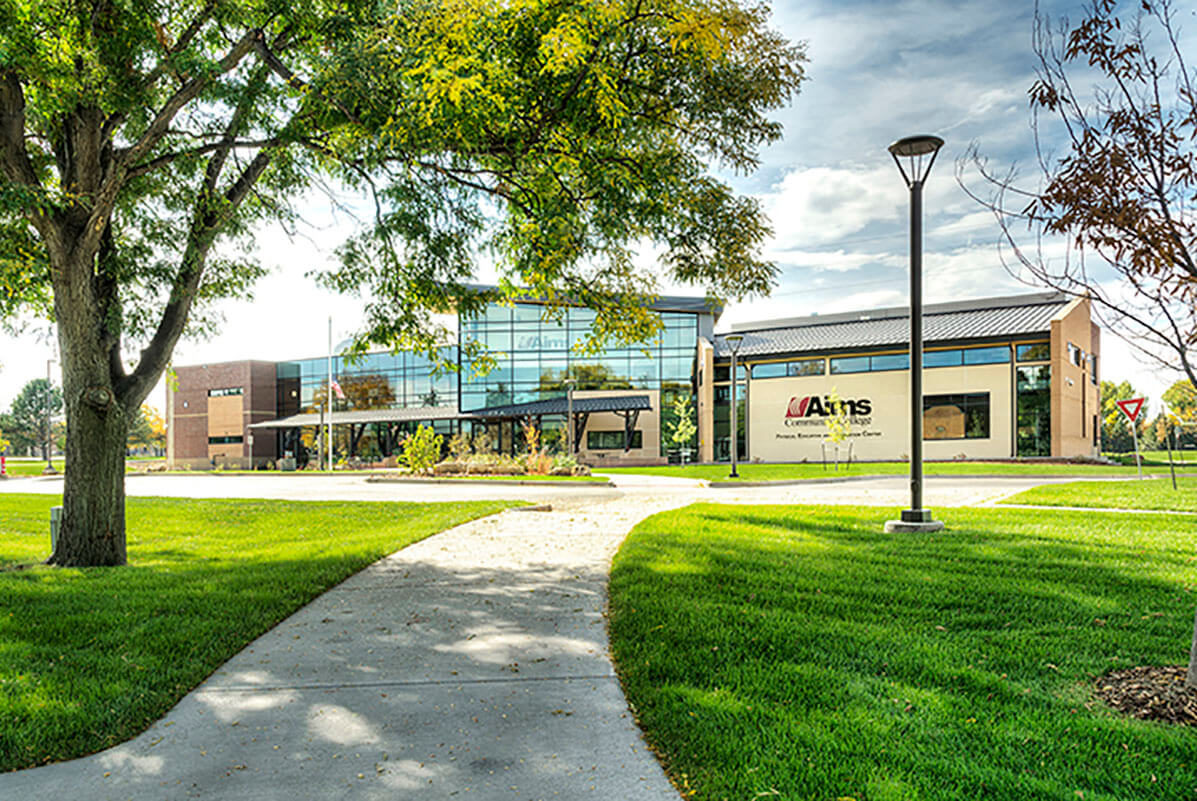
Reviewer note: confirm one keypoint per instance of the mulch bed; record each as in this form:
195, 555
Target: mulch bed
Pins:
1151, 693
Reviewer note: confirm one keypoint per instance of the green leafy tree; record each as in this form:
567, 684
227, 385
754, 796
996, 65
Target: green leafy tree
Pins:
1181, 400
1116, 436
21, 443
147, 429
36, 406
422, 450
139, 145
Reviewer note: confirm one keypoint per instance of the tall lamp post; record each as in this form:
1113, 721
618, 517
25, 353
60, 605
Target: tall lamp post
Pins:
569, 415
49, 469
919, 153
734, 341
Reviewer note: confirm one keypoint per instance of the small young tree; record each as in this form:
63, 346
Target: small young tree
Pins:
422, 450
683, 428
839, 424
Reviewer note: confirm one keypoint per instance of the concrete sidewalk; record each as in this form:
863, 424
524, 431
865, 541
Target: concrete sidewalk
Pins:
471, 664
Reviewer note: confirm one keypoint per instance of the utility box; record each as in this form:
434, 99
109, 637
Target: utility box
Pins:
55, 526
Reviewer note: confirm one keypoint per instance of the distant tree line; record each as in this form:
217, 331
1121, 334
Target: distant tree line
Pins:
39, 403
1179, 413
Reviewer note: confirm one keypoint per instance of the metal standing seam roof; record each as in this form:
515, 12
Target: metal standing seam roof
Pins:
994, 317
609, 403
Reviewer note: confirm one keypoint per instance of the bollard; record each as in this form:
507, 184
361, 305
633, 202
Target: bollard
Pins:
55, 525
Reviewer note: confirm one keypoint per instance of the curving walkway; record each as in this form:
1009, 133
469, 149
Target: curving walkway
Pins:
471, 664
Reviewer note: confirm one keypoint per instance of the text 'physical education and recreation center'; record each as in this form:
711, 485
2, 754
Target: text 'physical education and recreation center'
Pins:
1008, 377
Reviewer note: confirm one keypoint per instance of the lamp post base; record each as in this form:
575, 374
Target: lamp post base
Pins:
914, 521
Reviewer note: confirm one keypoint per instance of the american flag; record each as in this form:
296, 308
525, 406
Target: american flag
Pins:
336, 388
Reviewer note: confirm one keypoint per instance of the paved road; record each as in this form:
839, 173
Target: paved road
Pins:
472, 664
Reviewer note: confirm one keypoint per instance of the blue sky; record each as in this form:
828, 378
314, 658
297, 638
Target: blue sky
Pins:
878, 71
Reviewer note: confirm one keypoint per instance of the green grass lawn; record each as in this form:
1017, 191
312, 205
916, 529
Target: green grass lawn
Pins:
1152, 493
800, 653
31, 468
1158, 457
781, 472
88, 658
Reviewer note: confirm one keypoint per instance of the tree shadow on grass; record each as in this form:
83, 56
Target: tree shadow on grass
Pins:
836, 658
413, 677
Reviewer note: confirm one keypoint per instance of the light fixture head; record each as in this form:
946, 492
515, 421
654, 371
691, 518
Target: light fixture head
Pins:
914, 148
734, 341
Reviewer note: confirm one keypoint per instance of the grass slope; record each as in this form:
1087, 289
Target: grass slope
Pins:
782, 472
1147, 494
88, 658
800, 653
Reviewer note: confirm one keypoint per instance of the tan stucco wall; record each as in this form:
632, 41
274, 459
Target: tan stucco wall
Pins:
706, 400
649, 422
885, 432
1075, 399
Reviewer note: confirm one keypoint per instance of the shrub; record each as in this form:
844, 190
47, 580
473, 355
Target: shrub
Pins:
460, 448
421, 450
536, 461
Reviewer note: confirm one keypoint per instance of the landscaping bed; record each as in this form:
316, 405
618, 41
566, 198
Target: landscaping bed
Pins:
91, 657
801, 653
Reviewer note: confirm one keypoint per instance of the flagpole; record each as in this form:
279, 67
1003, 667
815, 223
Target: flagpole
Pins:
329, 396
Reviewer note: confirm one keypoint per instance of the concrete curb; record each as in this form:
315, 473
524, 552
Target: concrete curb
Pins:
501, 482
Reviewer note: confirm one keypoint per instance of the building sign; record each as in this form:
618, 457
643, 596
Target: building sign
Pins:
808, 415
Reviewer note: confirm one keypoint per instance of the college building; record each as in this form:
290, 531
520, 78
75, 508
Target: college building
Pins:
1004, 378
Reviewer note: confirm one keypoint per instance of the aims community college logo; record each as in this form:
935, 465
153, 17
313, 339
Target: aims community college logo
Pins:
814, 406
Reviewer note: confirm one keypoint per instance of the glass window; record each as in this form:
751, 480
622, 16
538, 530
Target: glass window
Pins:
774, 370
999, 354
805, 367
890, 361
611, 440
1034, 435
525, 370
1035, 352
850, 364
498, 314
1075, 354
498, 340
943, 358
220, 393
1092, 368
526, 313
956, 416
223, 440
528, 341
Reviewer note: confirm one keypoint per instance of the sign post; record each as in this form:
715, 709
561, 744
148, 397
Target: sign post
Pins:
1131, 408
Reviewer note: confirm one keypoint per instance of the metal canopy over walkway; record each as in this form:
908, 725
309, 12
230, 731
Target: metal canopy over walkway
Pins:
628, 407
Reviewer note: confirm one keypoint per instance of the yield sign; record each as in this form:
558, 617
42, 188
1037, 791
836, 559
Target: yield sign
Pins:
1131, 407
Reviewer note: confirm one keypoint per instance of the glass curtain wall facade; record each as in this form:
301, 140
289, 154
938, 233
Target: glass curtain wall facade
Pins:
535, 356
374, 381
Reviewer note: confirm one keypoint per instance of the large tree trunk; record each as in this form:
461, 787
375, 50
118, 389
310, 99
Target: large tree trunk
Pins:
93, 521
